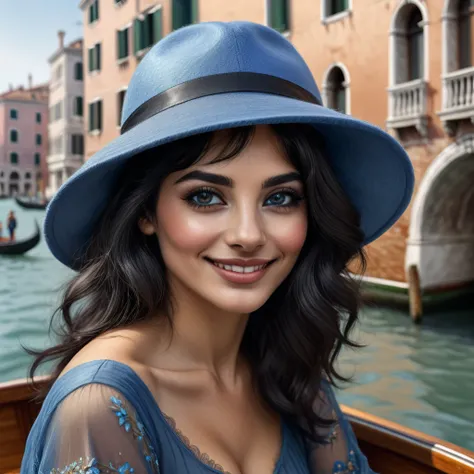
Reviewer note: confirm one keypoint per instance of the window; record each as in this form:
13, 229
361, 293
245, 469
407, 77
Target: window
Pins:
184, 13
120, 100
94, 58
464, 33
14, 158
59, 72
39, 139
14, 136
38, 117
122, 43
337, 6
56, 111
94, 11
13, 114
407, 43
147, 31
278, 15
77, 144
332, 10
37, 159
78, 107
336, 90
415, 45
78, 72
95, 116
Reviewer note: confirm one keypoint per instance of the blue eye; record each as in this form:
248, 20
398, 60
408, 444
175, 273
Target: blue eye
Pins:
283, 199
204, 198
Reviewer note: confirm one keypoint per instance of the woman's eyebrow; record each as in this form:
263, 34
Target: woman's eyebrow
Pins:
226, 181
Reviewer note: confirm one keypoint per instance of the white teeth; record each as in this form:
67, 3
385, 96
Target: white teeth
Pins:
238, 269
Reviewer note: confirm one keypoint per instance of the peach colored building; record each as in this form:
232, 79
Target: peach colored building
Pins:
404, 65
23, 140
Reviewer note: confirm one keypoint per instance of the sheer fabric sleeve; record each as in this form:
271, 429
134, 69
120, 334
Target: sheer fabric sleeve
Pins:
339, 453
95, 430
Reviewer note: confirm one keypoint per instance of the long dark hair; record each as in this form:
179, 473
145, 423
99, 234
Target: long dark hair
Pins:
292, 341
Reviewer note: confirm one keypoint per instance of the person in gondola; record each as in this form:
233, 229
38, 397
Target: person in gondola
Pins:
12, 225
212, 298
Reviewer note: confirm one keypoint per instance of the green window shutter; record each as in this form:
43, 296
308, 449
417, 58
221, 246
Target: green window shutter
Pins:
14, 136
195, 11
99, 115
119, 45
79, 106
13, 114
91, 117
91, 59
179, 13
98, 56
37, 159
38, 117
38, 139
14, 158
157, 26
137, 35
96, 9
91, 13
78, 75
279, 15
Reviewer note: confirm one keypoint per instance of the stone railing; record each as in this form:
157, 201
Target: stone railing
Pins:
407, 105
458, 97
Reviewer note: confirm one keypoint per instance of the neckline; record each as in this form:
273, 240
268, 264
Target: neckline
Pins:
102, 363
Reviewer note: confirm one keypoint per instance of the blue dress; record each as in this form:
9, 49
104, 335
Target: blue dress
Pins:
101, 418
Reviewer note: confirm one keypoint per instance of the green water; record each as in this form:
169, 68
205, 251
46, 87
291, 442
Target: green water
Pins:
418, 376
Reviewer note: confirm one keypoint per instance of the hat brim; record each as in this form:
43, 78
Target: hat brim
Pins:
372, 167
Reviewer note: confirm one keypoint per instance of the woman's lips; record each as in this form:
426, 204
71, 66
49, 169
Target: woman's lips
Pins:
240, 271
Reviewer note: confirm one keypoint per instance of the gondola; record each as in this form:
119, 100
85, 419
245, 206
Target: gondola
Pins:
19, 247
390, 448
30, 204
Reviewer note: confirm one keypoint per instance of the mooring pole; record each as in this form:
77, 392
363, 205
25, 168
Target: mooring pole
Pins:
414, 294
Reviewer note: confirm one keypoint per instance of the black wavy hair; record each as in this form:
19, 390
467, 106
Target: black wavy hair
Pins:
292, 341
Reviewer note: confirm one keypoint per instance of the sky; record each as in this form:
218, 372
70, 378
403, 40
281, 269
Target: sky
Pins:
28, 37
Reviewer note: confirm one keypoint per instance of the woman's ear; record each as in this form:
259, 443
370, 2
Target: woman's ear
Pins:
146, 226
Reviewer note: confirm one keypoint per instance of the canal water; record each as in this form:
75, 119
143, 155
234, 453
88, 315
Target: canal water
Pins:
421, 377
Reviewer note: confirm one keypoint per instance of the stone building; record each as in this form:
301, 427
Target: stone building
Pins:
66, 110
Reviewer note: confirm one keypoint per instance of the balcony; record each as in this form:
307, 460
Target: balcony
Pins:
458, 98
407, 106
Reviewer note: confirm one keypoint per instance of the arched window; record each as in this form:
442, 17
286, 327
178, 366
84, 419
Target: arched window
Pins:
415, 45
407, 43
336, 89
464, 34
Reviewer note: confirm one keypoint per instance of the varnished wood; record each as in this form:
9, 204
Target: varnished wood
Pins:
389, 447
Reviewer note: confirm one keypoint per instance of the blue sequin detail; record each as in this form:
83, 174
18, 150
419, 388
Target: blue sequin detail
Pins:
350, 467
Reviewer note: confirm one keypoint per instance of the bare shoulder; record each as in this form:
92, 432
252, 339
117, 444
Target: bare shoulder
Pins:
125, 345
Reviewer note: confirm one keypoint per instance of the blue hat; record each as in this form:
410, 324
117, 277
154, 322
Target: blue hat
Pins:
213, 76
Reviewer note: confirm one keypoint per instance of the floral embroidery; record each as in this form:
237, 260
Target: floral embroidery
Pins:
131, 424
203, 457
346, 468
91, 466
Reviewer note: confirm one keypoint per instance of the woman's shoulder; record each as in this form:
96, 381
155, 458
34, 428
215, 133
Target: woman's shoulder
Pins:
118, 345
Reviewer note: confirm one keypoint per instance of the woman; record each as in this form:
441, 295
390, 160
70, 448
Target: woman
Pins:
211, 241
11, 223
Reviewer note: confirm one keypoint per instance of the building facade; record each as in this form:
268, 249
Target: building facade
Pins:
66, 111
23, 140
403, 65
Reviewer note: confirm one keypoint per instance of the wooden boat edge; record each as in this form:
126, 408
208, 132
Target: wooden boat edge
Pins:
370, 430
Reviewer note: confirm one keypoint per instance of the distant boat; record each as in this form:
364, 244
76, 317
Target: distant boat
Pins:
31, 204
19, 247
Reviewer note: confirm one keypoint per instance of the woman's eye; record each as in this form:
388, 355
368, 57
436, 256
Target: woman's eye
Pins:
280, 199
205, 198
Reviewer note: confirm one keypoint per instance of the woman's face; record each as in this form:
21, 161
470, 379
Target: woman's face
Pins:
231, 232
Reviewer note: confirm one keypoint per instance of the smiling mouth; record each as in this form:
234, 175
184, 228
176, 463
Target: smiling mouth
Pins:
240, 268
